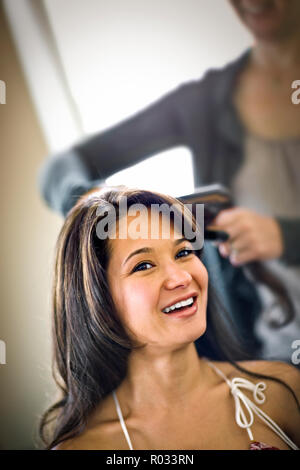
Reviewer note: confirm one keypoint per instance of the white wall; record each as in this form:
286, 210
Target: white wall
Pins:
43, 72
119, 55
27, 239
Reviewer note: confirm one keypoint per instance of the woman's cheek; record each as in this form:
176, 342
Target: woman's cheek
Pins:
138, 298
200, 273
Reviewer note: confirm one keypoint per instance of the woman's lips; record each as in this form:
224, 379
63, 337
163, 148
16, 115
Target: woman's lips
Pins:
187, 311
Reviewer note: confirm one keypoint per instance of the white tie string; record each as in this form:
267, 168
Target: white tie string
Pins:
241, 400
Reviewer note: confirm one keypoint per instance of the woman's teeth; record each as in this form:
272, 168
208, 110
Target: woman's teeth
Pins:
181, 304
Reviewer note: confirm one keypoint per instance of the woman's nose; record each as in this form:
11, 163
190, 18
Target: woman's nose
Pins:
175, 276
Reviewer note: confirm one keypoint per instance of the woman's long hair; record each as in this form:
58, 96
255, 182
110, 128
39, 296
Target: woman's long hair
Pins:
90, 345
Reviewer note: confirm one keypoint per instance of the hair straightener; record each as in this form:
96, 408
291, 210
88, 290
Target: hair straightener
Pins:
215, 198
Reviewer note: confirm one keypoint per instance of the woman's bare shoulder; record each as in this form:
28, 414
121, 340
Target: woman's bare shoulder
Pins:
278, 369
281, 401
89, 440
78, 442
281, 370
101, 432
286, 373
276, 392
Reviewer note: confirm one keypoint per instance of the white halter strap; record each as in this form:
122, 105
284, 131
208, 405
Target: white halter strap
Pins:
119, 411
241, 399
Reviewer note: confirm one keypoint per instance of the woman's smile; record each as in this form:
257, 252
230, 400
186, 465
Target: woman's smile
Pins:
182, 309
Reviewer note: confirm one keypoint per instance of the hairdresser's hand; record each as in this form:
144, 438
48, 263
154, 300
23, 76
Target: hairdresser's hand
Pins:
252, 237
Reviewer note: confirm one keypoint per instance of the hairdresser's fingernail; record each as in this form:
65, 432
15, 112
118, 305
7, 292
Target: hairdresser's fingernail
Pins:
233, 260
223, 250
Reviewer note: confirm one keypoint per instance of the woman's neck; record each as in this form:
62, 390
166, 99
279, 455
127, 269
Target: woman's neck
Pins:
167, 378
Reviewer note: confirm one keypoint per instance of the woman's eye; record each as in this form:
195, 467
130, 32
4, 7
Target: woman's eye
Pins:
139, 267
186, 252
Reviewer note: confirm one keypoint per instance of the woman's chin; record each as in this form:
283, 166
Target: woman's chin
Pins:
190, 333
199, 333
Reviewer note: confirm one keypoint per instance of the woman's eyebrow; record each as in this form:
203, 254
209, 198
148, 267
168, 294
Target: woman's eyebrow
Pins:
147, 249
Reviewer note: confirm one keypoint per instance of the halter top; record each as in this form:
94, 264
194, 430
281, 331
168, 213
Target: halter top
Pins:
235, 385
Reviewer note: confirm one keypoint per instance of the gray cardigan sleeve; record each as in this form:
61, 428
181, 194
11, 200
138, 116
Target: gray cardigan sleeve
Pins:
64, 177
290, 229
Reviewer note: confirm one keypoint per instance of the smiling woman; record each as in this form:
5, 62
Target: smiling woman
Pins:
126, 314
143, 286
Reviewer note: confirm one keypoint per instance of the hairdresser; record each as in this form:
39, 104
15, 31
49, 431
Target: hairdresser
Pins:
244, 132
264, 123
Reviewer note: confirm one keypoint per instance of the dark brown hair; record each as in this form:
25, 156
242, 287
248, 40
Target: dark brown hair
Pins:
90, 345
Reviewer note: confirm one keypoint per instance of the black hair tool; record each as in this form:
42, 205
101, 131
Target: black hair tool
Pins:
215, 198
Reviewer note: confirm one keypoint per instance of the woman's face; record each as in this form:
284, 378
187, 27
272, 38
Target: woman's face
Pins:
162, 273
269, 19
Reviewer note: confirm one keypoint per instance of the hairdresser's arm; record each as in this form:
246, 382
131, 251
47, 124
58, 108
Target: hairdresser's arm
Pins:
63, 178
290, 230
